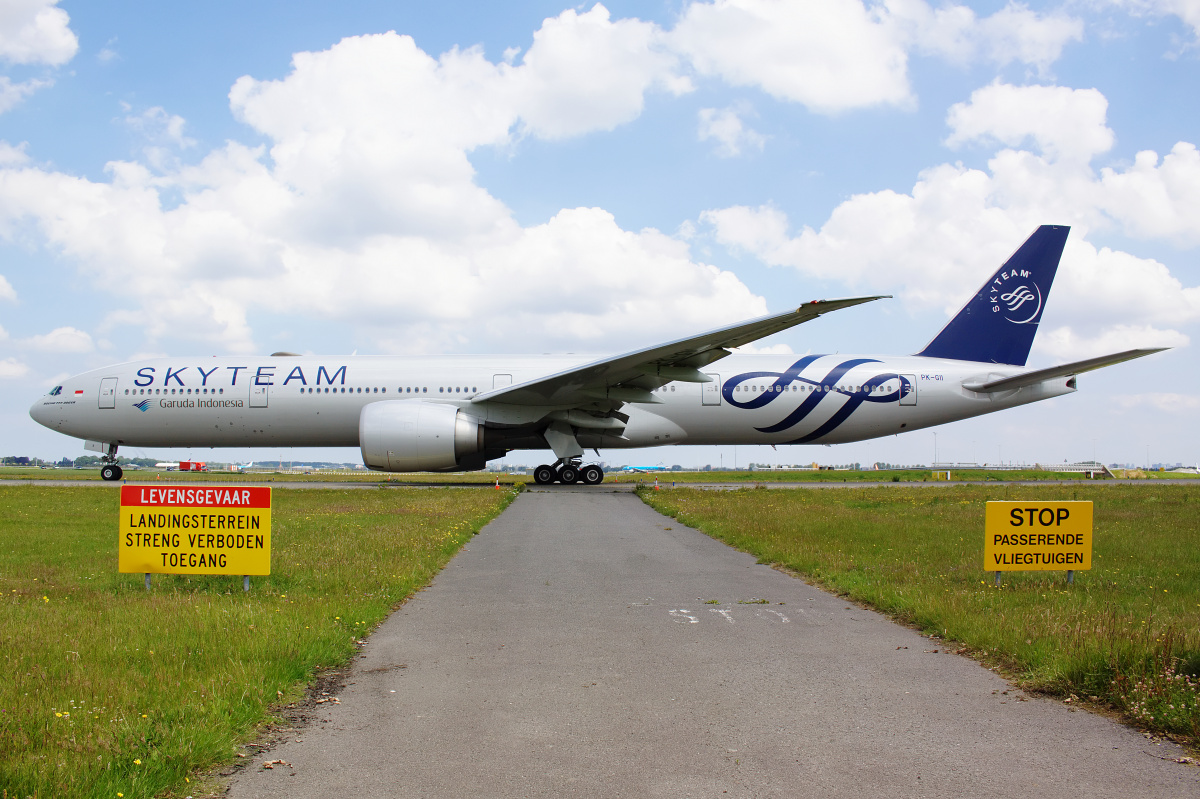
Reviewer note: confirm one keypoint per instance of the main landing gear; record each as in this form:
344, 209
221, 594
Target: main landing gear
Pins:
567, 472
110, 471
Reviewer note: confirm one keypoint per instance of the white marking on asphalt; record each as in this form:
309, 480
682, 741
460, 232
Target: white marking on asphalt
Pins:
683, 612
783, 619
724, 613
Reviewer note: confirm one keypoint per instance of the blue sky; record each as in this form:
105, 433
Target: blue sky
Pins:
474, 177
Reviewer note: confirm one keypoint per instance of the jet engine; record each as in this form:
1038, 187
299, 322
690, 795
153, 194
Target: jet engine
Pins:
415, 436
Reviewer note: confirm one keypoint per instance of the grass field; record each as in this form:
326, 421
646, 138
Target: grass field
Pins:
1126, 635
829, 476
475, 478
109, 690
154, 475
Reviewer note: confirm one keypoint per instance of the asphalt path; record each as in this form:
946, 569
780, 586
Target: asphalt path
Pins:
583, 645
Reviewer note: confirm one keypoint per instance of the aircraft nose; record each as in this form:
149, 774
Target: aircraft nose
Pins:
40, 412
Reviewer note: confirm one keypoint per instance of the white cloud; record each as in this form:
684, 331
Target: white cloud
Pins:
764, 349
1165, 402
363, 208
162, 133
1063, 122
1157, 200
13, 93
108, 53
11, 368
1188, 11
61, 339
1014, 33
35, 32
936, 244
843, 54
1066, 344
12, 156
158, 126
725, 127
7, 292
585, 72
830, 56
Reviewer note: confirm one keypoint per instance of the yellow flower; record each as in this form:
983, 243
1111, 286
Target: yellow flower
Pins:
46, 598
59, 715
137, 762
119, 794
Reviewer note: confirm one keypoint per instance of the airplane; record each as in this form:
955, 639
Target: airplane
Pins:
455, 413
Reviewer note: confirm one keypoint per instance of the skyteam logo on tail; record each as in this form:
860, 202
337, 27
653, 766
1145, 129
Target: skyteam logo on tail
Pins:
1021, 303
142, 406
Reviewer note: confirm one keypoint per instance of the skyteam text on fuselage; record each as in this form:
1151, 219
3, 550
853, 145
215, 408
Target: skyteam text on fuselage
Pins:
444, 413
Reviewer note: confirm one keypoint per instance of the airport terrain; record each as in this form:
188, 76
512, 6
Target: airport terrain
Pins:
583, 645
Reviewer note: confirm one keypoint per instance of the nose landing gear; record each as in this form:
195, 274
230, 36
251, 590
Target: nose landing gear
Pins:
567, 472
110, 471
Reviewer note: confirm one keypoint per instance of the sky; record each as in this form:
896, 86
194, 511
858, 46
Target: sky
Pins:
469, 177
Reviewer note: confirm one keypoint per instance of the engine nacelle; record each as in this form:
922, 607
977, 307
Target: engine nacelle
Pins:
416, 436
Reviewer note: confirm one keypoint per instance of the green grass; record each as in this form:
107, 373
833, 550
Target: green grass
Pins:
109, 689
1125, 635
829, 476
162, 475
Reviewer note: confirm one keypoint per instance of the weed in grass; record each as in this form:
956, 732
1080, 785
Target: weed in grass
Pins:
1127, 632
111, 689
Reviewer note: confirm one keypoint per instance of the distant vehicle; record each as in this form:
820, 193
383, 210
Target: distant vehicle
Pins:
193, 466
644, 468
456, 413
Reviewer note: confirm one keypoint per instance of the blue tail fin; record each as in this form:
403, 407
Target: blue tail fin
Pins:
997, 325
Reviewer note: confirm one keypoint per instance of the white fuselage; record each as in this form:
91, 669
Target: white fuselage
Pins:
316, 401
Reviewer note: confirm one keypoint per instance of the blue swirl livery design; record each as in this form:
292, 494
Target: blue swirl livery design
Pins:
817, 390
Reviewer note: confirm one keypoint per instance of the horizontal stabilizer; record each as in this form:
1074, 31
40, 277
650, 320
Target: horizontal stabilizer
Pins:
1037, 376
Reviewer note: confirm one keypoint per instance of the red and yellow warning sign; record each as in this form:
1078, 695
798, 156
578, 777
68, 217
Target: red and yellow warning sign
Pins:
194, 530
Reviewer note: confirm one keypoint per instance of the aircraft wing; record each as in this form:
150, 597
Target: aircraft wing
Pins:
632, 377
1037, 376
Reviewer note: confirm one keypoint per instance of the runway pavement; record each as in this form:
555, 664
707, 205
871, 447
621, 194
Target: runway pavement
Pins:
584, 646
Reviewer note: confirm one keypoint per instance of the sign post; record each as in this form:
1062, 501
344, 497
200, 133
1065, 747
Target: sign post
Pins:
194, 530
1038, 536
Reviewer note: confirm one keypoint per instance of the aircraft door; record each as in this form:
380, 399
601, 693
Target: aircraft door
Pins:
501, 381
710, 393
258, 396
908, 389
108, 392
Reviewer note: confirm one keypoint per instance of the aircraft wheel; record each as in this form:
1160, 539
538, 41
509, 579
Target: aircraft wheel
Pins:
592, 475
543, 475
568, 474
111, 472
